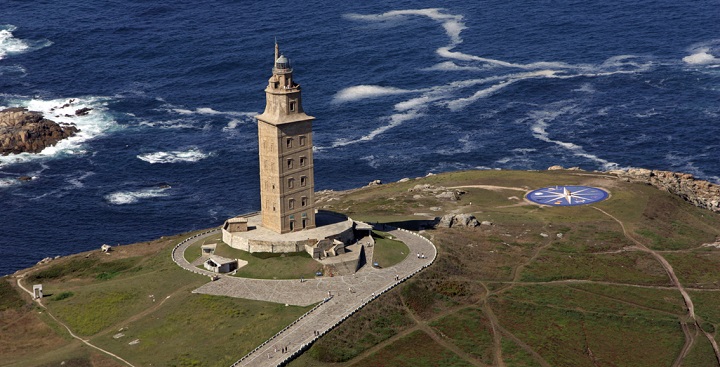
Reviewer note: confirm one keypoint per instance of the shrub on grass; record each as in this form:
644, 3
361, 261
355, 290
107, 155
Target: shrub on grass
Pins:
63, 295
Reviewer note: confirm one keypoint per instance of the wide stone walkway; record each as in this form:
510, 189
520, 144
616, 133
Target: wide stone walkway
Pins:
341, 296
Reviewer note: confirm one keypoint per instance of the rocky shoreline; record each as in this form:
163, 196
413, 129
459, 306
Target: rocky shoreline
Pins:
23, 131
700, 193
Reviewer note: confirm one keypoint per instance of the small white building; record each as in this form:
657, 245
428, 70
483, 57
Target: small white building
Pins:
219, 264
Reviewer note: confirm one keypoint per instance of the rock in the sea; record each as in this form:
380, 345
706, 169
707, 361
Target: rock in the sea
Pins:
24, 178
83, 111
28, 131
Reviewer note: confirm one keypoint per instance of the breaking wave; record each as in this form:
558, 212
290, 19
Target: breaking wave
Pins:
359, 92
132, 197
704, 53
9, 45
95, 123
191, 155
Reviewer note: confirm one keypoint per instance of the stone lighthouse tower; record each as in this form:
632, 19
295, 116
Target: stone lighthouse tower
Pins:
286, 157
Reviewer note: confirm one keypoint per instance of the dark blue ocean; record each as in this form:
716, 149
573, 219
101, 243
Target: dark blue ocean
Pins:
399, 89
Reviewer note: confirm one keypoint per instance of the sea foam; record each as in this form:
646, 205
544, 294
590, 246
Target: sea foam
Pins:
190, 155
132, 197
9, 45
97, 122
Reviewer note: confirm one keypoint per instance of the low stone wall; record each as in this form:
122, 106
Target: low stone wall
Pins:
700, 193
248, 244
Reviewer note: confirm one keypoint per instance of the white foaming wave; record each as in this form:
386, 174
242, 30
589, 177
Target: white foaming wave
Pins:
208, 111
460, 103
9, 45
169, 124
359, 92
132, 197
77, 182
541, 123
701, 58
96, 123
394, 120
585, 88
704, 53
14, 70
467, 145
190, 155
453, 25
232, 124
8, 182
451, 66
372, 161
443, 95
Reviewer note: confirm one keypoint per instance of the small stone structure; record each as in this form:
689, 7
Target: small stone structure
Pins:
37, 291
325, 248
219, 264
207, 250
237, 224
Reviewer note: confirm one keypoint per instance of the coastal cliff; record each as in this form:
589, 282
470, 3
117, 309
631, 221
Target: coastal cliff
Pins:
28, 131
700, 193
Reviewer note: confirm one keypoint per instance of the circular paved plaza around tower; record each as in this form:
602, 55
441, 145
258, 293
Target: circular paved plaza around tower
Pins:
347, 295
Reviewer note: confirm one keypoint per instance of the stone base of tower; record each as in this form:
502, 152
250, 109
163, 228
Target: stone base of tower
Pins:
329, 226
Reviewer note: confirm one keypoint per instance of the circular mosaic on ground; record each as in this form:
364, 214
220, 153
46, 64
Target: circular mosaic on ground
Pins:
567, 195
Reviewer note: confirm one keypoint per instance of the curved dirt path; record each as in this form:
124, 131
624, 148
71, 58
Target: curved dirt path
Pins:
674, 279
39, 302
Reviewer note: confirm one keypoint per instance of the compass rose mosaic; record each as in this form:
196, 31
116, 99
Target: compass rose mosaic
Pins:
567, 195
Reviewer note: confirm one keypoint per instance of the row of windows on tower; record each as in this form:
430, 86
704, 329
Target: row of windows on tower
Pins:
291, 182
303, 203
290, 141
291, 162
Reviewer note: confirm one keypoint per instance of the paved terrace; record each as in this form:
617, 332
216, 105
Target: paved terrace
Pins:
340, 296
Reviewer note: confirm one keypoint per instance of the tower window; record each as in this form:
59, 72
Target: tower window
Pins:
292, 225
292, 105
302, 141
303, 181
290, 163
303, 201
302, 161
291, 183
291, 204
289, 142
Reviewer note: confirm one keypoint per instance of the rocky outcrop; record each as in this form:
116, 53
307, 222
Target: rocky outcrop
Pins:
438, 191
700, 193
457, 220
28, 131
